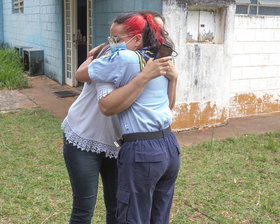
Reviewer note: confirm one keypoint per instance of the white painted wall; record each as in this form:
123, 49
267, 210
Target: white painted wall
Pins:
255, 64
235, 77
204, 71
176, 25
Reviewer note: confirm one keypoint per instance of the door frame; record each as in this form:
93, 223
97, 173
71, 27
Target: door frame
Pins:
89, 25
71, 40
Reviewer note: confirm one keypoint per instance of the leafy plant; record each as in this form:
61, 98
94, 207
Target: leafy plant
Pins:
11, 70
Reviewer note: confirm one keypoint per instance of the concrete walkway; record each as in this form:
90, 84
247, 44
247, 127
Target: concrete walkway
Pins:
41, 94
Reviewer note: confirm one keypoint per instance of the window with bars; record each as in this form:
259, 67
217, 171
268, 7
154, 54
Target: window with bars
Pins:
258, 7
18, 6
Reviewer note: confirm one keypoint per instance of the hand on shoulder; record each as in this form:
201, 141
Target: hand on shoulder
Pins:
171, 73
155, 68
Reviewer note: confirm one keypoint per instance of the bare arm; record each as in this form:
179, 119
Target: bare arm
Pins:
82, 72
172, 77
98, 50
120, 99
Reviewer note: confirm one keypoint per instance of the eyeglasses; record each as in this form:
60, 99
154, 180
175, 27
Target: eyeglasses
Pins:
115, 39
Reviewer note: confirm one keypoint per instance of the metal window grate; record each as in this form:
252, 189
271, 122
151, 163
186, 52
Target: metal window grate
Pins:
258, 7
18, 6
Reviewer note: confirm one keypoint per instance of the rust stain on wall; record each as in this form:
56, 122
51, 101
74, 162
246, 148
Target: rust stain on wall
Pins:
248, 104
188, 116
191, 116
207, 113
245, 99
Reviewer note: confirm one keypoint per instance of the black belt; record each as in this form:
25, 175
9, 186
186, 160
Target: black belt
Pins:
146, 135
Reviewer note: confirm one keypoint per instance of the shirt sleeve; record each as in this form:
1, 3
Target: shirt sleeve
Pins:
108, 68
103, 89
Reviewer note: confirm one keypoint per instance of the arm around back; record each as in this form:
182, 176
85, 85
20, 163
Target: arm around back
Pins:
82, 72
172, 76
121, 98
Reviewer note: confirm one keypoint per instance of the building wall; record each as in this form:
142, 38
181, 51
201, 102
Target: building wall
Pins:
255, 81
1, 23
40, 26
237, 75
106, 11
204, 70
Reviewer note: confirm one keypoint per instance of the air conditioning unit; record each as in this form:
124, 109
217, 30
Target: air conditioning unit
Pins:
19, 49
33, 60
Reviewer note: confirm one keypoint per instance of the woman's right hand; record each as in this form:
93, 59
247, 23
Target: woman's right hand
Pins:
95, 51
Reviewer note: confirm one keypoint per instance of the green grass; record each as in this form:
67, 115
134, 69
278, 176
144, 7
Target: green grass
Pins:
232, 181
11, 70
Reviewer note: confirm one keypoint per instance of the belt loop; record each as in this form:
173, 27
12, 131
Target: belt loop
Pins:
163, 133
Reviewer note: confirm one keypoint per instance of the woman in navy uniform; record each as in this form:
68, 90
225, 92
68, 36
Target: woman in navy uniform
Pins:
149, 159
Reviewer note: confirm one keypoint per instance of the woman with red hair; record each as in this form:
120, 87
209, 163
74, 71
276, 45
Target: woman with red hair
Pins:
149, 159
88, 138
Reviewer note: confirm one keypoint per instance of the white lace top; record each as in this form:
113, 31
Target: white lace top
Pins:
87, 128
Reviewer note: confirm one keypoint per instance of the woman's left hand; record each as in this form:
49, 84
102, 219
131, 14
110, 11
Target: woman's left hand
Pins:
171, 73
156, 68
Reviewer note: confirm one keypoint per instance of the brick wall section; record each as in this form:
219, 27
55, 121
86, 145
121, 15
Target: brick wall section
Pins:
255, 78
1, 23
40, 26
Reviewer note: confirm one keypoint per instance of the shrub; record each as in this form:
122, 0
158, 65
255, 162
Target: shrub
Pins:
11, 70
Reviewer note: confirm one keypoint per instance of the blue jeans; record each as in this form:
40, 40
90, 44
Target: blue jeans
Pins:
83, 169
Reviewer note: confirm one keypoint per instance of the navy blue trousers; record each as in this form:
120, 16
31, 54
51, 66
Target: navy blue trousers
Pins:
147, 173
83, 169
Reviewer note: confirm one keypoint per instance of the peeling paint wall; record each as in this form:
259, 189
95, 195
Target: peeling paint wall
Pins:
204, 71
255, 82
233, 73
202, 86
206, 24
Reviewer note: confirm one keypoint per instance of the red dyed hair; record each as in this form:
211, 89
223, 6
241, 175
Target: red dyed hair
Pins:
155, 28
135, 24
